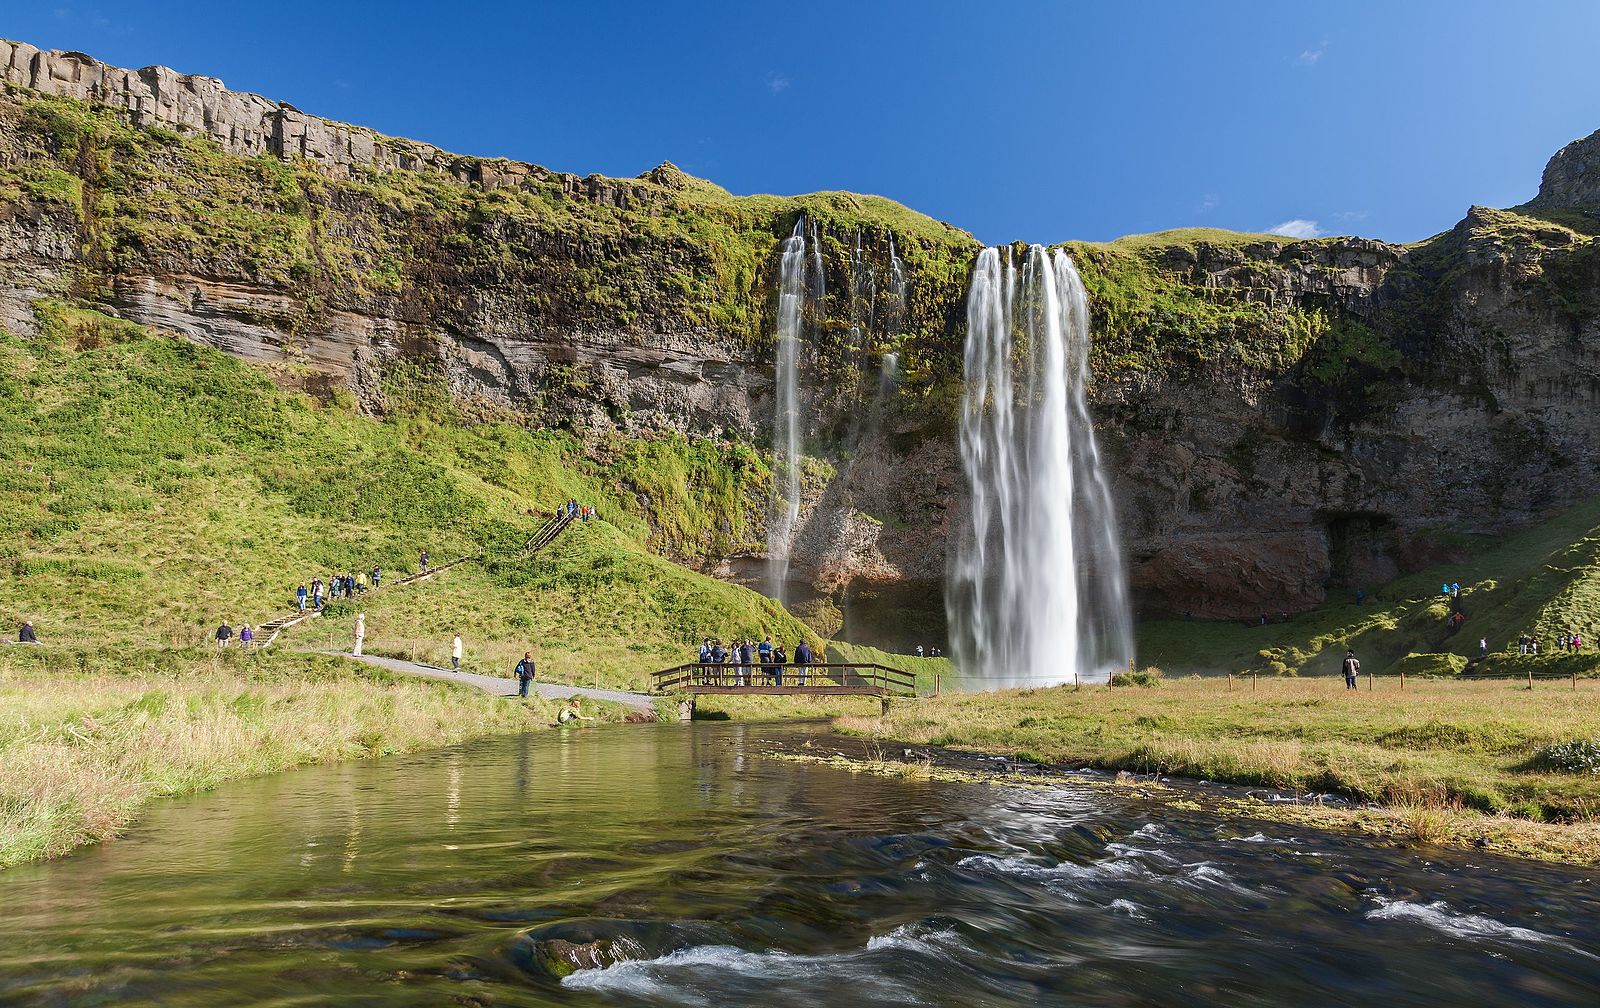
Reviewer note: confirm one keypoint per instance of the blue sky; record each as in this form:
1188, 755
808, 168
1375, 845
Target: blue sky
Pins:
1022, 120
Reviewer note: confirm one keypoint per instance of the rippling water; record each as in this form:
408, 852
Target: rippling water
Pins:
730, 879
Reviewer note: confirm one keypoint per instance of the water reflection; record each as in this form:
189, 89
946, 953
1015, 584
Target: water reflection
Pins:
734, 879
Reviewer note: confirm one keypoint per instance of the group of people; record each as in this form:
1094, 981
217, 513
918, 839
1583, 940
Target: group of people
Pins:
1527, 644
582, 512
347, 585
315, 594
744, 656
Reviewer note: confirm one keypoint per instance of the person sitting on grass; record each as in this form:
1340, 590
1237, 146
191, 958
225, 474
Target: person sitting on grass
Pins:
224, 634
25, 634
570, 713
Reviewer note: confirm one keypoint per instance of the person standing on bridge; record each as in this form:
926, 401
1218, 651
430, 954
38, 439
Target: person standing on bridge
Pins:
361, 633
744, 663
525, 673
802, 658
764, 650
1352, 668
455, 654
778, 661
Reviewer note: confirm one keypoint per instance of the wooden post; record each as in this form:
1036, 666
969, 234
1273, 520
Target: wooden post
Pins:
1402, 682
1076, 685
938, 680
1230, 682
1530, 677
1253, 679
1369, 682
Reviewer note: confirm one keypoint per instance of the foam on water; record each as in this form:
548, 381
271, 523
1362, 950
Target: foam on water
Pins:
1439, 916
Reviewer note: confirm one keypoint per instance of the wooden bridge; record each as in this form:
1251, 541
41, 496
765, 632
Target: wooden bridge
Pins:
815, 679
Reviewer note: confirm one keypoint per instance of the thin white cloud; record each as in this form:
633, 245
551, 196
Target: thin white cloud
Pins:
1350, 215
1297, 228
1208, 202
777, 83
1311, 57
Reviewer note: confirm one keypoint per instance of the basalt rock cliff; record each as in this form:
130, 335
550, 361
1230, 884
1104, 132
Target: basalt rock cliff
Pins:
1283, 418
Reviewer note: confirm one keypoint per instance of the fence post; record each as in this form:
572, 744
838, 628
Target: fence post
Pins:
1402, 682
1530, 677
938, 680
1230, 682
1076, 685
1254, 678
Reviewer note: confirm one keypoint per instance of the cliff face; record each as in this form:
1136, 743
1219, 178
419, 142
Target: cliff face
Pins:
1284, 418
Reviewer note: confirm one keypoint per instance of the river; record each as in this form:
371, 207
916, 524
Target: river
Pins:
733, 879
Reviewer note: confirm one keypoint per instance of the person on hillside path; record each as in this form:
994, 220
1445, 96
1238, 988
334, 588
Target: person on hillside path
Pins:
571, 713
377, 572
224, 634
300, 595
1483, 647
316, 594
246, 635
525, 673
361, 582
25, 634
361, 633
455, 654
422, 561
1352, 668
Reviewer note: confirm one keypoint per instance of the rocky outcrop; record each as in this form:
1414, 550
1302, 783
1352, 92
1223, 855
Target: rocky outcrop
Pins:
1572, 178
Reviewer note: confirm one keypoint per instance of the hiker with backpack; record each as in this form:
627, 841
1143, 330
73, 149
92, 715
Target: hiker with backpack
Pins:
525, 673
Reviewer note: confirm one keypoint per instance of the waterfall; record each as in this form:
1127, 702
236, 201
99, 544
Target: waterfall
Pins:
1036, 592
792, 292
897, 287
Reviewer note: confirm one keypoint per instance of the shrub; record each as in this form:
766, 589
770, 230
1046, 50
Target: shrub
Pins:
1147, 676
1431, 664
1575, 756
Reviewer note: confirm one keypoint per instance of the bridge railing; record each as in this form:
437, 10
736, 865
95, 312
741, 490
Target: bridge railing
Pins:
893, 681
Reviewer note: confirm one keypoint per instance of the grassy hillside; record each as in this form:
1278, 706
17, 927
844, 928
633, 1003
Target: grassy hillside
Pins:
1543, 580
149, 488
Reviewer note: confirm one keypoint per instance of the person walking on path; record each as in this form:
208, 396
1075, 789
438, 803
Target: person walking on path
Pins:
525, 673
300, 595
316, 594
224, 634
361, 633
1352, 668
246, 635
377, 572
455, 654
1483, 647
361, 582
422, 561
25, 634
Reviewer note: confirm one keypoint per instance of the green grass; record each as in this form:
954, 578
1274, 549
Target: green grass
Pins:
150, 488
90, 738
1467, 747
1543, 580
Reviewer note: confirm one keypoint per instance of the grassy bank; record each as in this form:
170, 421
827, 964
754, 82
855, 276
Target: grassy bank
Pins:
1466, 752
90, 738
1542, 580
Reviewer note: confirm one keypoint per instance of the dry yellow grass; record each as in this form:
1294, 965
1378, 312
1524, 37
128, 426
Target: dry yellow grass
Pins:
86, 741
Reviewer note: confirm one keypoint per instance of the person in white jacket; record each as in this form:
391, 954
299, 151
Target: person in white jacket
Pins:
455, 654
361, 632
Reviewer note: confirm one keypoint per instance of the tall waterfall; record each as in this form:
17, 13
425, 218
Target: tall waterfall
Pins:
1037, 591
792, 291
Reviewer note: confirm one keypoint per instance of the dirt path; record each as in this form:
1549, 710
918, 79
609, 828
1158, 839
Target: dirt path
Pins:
496, 686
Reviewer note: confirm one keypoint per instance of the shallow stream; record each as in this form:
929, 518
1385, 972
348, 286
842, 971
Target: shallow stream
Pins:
727, 878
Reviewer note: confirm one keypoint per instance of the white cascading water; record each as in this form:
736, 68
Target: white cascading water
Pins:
792, 291
1036, 593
